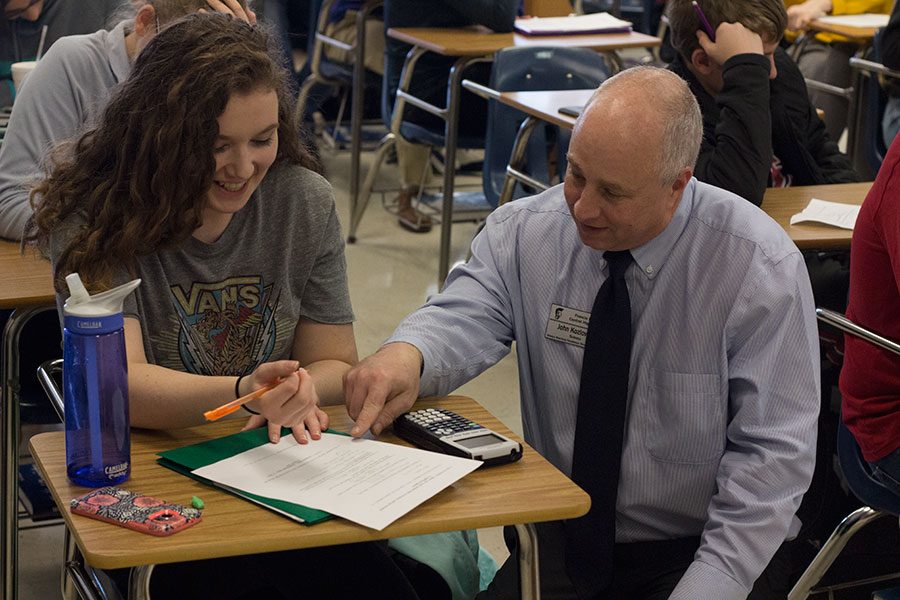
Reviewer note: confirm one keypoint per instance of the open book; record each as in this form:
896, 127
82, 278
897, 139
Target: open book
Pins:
573, 25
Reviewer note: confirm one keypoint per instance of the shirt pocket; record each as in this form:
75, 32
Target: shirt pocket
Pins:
686, 417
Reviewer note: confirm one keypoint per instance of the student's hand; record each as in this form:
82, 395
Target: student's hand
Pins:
382, 387
289, 403
233, 8
315, 424
799, 15
731, 39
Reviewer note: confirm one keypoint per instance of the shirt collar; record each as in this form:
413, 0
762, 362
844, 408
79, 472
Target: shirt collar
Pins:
118, 55
651, 257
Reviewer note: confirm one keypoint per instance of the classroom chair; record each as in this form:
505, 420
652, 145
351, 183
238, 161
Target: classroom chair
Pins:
871, 75
532, 69
513, 69
880, 501
327, 73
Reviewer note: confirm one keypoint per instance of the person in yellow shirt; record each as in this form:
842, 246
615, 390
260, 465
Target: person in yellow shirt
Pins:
825, 57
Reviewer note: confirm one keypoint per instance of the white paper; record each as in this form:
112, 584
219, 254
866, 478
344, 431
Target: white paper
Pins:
368, 482
830, 213
594, 22
863, 20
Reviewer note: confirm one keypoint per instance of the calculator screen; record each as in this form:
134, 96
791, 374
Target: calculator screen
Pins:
481, 440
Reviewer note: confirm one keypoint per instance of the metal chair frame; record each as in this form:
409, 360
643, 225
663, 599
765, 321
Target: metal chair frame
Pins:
859, 518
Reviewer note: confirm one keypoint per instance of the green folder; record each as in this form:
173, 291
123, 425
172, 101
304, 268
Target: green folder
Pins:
185, 460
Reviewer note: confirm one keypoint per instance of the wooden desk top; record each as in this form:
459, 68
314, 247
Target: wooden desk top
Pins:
25, 280
526, 491
478, 41
782, 203
859, 35
546, 105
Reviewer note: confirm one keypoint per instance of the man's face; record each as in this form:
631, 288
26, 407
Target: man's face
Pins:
29, 10
612, 187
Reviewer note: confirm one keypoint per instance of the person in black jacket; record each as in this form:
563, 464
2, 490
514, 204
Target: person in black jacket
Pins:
890, 57
759, 128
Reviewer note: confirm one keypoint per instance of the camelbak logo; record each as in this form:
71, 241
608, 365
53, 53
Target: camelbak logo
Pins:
89, 324
115, 470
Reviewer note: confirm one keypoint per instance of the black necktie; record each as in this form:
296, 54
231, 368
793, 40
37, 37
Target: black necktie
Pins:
599, 430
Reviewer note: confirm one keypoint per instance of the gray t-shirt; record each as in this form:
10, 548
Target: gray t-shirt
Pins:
67, 88
224, 308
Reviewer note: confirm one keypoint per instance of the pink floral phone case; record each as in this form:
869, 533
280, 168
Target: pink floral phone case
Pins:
135, 511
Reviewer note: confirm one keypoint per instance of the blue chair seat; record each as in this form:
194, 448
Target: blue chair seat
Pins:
422, 135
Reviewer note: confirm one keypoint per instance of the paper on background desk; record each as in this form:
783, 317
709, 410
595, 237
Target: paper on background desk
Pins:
368, 482
831, 213
864, 20
576, 24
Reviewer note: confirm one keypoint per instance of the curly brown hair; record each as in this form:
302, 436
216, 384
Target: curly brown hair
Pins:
140, 176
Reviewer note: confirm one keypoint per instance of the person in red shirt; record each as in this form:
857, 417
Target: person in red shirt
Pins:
870, 377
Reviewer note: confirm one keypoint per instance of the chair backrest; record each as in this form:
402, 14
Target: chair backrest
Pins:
859, 476
531, 69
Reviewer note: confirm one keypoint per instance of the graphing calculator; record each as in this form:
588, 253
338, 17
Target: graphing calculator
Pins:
445, 431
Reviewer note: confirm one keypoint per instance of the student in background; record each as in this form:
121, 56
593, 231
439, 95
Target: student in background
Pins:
870, 377
825, 57
70, 85
759, 128
713, 402
429, 82
23, 22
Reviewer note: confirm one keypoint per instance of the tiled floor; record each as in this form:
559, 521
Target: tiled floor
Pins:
391, 273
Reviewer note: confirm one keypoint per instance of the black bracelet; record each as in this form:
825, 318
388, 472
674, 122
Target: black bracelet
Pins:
237, 394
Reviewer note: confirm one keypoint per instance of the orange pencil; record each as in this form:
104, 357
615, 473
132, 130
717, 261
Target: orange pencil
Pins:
227, 409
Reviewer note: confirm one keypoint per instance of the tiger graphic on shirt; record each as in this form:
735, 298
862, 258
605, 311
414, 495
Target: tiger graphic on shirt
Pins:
226, 327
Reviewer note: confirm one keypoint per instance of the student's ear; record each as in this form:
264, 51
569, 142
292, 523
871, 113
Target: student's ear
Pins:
701, 62
145, 21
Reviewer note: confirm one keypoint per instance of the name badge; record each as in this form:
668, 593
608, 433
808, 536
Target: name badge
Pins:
567, 325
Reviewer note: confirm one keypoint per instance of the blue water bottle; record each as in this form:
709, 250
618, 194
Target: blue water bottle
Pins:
95, 385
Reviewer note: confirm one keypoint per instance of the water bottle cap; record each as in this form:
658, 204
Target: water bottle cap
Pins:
82, 304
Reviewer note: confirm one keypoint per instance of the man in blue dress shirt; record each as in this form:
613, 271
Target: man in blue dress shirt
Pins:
723, 388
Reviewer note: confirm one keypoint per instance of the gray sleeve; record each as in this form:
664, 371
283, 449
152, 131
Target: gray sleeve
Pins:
326, 296
46, 110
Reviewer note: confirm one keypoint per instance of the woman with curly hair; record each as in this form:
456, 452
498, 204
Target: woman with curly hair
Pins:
194, 180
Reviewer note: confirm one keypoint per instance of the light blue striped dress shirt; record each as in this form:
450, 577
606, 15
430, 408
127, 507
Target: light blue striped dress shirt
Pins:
724, 384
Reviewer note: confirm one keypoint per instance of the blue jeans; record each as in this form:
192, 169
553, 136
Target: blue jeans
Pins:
890, 121
887, 471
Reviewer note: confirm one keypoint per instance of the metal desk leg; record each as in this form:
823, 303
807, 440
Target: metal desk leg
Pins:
139, 583
529, 567
9, 462
451, 135
357, 100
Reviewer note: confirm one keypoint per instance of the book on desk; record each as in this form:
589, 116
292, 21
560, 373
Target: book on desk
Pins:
572, 25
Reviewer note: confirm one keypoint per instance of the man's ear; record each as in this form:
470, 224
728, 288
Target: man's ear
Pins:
145, 21
701, 62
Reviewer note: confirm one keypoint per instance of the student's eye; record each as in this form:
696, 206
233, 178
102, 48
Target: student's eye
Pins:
262, 143
220, 149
